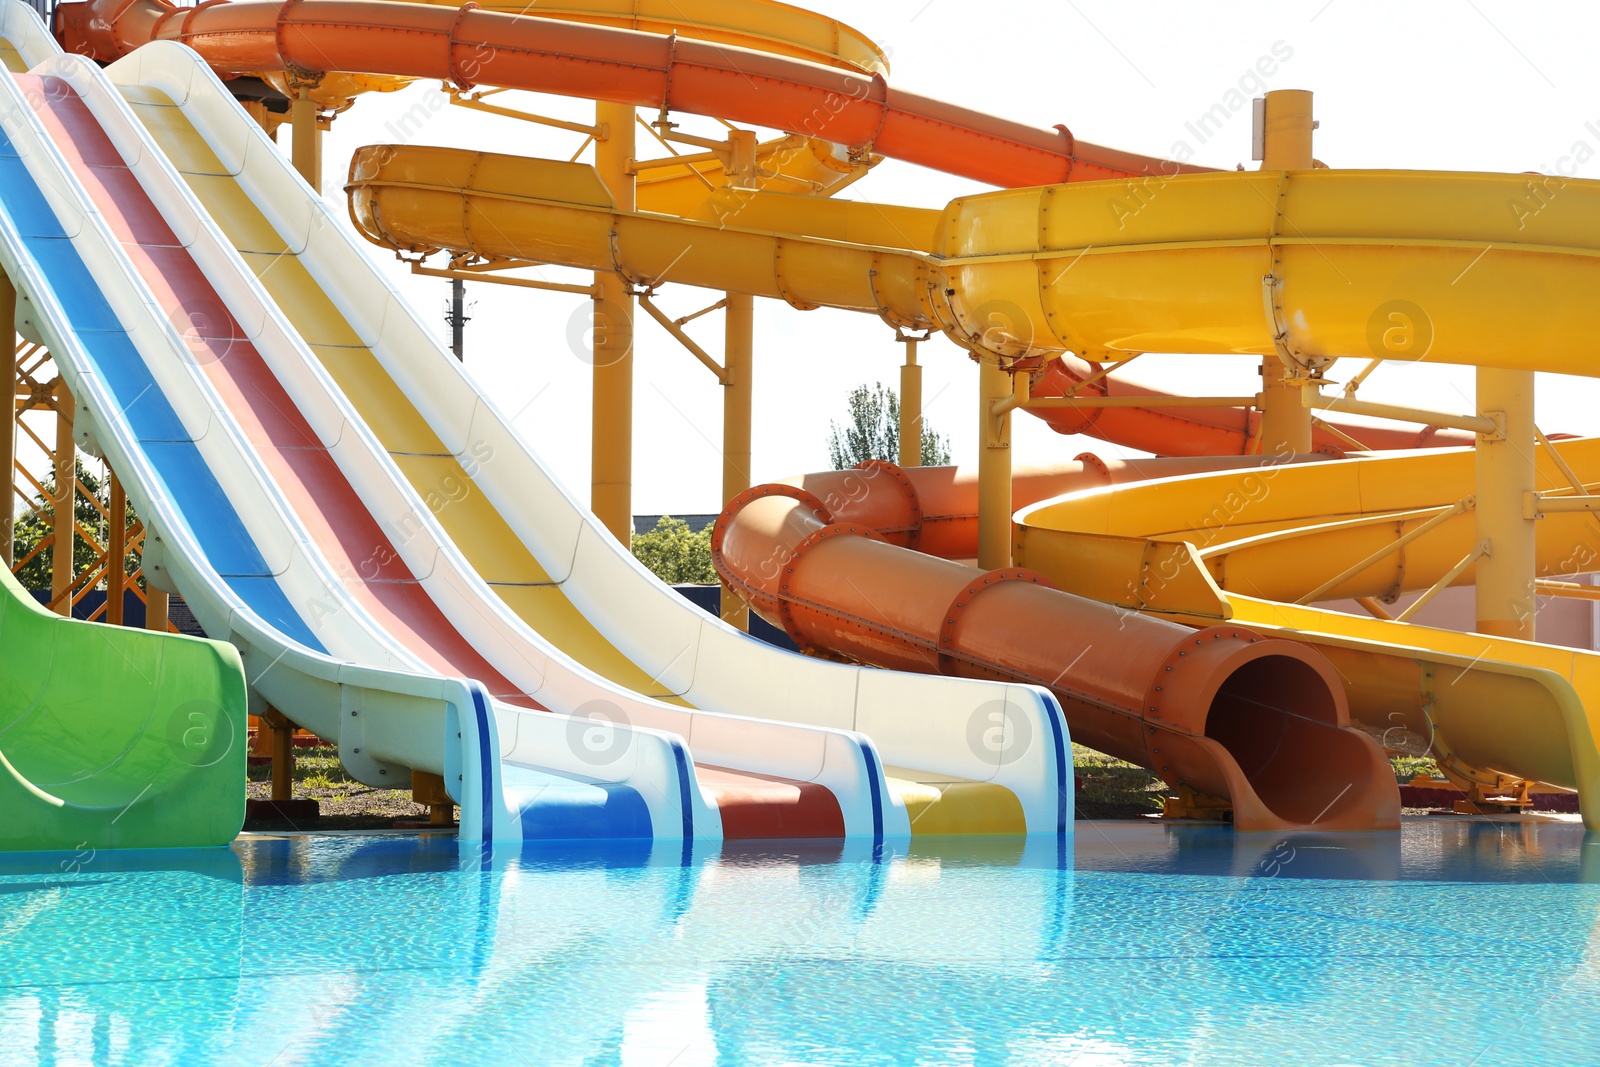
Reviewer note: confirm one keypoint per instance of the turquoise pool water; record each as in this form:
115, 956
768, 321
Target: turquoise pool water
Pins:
1449, 943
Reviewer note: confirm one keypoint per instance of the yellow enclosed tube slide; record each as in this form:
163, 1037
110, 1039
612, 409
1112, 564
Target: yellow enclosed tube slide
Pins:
1046, 270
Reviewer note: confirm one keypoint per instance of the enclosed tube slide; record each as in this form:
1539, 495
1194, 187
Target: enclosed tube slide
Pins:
935, 509
1262, 722
1002, 283
1216, 431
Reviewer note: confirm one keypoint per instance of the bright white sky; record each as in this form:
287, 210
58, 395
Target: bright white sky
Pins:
1451, 84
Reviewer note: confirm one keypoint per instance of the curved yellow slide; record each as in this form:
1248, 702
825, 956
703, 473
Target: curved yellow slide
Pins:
1489, 708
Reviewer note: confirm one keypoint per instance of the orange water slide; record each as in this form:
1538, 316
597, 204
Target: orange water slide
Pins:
471, 46
1218, 431
1262, 722
935, 509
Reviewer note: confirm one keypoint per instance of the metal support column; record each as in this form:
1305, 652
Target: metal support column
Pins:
458, 319
1506, 602
994, 466
611, 449
1285, 145
738, 370
116, 551
63, 504
737, 399
305, 137
1285, 420
910, 406
282, 753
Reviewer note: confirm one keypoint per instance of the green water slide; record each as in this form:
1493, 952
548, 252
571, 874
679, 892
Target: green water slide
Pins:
115, 738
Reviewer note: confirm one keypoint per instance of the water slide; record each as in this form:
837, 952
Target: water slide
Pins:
418, 542
1076, 284
1491, 710
114, 738
109, 737
1212, 241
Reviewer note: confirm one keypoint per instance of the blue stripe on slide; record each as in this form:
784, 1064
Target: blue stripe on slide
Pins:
1061, 764
480, 708
872, 779
187, 480
586, 812
681, 755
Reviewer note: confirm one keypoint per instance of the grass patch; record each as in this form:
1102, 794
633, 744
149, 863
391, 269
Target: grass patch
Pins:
1408, 767
1113, 788
315, 766
1117, 789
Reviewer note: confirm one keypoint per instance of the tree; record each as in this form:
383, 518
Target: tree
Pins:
33, 527
675, 554
873, 431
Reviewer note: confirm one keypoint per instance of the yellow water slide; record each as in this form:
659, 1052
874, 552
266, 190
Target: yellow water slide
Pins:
1260, 548
1301, 263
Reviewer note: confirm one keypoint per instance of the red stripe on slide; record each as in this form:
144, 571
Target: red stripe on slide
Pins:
305, 472
758, 807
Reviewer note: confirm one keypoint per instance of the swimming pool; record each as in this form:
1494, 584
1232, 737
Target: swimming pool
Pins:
1452, 942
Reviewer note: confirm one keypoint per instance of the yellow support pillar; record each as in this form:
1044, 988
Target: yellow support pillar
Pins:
994, 466
910, 407
62, 504
428, 789
1286, 145
282, 753
738, 394
1286, 130
305, 138
1506, 602
611, 447
8, 436
1285, 420
116, 552
155, 610
738, 365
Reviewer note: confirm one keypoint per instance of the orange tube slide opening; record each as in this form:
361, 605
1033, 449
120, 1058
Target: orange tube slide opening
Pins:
1261, 722
1280, 721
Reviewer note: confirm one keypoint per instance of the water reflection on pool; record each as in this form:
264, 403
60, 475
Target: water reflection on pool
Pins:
1132, 944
